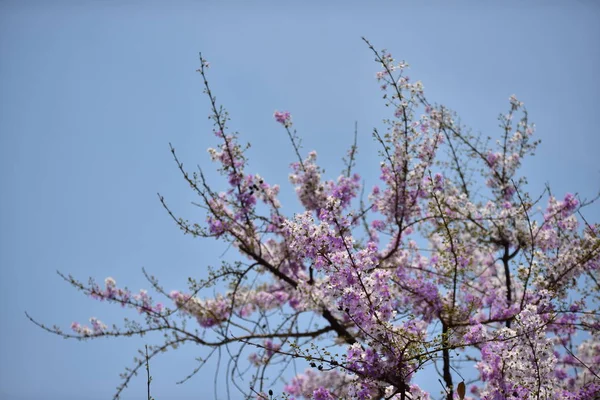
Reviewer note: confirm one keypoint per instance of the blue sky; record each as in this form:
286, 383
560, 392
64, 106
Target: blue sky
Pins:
92, 92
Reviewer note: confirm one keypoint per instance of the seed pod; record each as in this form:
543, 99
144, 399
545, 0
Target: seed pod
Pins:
461, 390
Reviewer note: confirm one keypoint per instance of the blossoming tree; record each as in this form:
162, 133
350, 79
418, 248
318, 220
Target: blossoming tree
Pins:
433, 268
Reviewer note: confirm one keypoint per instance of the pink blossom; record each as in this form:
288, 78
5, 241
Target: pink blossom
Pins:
283, 117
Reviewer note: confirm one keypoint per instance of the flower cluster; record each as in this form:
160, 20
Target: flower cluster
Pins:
283, 117
97, 329
323, 383
521, 362
141, 301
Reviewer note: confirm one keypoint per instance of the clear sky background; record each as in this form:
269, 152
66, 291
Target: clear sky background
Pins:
92, 92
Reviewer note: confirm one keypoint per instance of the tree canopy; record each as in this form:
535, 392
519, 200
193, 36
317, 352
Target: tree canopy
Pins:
447, 263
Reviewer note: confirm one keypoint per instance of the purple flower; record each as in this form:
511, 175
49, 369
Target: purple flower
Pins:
283, 117
322, 394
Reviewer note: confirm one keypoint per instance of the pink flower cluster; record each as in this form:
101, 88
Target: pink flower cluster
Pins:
97, 329
141, 301
283, 117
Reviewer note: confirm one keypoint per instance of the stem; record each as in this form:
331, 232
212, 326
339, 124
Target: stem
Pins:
446, 359
148, 373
